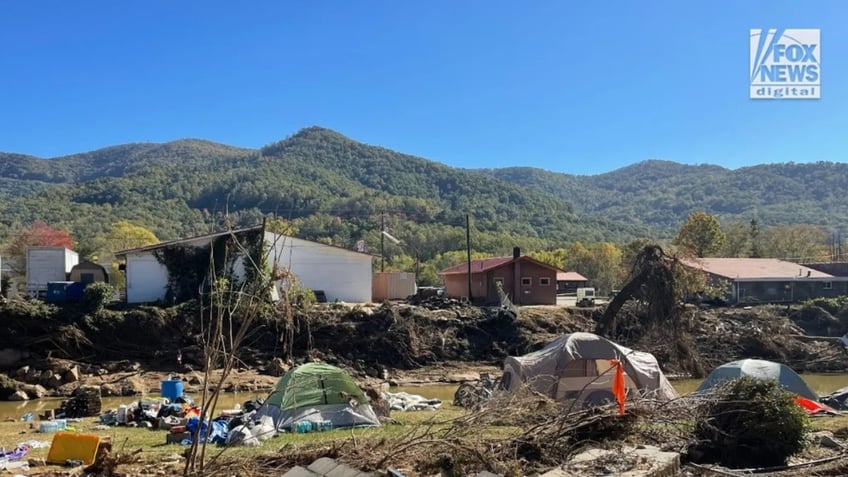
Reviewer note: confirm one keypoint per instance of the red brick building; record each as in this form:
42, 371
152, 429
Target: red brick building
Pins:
524, 280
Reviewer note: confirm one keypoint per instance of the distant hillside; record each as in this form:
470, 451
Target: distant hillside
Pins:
339, 190
332, 187
661, 194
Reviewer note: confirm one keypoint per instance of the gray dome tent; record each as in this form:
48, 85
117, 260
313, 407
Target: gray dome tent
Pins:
759, 369
574, 366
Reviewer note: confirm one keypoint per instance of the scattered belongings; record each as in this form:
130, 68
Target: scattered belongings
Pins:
410, 402
837, 400
317, 393
469, 395
252, 434
759, 369
580, 367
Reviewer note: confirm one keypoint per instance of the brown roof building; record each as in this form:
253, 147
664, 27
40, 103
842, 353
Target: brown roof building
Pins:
768, 280
569, 282
524, 280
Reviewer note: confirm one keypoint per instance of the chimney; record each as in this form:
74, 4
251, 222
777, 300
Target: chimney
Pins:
516, 252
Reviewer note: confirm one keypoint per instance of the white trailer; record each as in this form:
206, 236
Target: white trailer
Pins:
47, 264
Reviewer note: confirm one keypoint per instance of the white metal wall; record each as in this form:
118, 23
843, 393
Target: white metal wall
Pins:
147, 279
48, 264
344, 275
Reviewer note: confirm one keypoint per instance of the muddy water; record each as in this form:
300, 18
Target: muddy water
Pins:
14, 410
822, 383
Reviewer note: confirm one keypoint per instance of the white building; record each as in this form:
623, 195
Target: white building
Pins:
342, 274
47, 264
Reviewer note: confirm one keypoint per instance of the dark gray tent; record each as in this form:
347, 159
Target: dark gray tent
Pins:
577, 366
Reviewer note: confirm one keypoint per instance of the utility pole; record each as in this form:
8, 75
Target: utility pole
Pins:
382, 241
468, 251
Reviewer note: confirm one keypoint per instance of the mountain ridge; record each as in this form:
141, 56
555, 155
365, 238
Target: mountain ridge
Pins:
316, 176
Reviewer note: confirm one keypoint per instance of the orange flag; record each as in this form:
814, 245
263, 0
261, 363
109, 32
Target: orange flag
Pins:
618, 386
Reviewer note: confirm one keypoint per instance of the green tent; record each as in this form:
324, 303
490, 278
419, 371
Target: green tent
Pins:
318, 392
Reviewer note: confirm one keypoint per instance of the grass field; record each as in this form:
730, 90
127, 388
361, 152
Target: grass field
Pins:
153, 449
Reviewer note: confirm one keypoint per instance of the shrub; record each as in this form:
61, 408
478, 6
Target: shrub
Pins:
751, 423
97, 295
831, 305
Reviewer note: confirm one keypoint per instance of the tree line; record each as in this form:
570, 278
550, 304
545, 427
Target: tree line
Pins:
426, 252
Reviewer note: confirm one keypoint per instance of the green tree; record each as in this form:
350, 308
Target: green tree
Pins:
738, 240
700, 236
756, 247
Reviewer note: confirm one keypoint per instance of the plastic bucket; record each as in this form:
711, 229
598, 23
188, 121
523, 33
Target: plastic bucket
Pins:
172, 389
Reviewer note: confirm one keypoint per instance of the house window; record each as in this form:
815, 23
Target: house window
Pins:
827, 285
526, 281
86, 277
544, 281
499, 282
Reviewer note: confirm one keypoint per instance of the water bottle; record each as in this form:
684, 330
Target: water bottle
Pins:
327, 426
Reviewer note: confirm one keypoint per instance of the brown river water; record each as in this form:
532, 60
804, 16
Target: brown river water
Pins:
823, 384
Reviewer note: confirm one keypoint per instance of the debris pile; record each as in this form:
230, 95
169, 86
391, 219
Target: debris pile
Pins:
84, 403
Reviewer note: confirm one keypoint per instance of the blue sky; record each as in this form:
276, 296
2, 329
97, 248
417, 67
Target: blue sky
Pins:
581, 88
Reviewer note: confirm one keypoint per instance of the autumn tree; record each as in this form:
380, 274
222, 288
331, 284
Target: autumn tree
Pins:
796, 243
123, 236
700, 236
599, 262
38, 234
281, 226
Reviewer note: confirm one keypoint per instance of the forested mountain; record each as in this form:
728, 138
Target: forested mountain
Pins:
661, 194
338, 190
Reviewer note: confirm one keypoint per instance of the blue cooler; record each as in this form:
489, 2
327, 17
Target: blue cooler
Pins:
172, 389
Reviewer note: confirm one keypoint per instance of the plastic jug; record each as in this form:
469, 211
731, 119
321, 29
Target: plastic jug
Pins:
303, 427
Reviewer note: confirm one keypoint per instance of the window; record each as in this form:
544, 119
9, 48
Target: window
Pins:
499, 282
86, 277
827, 285
526, 281
544, 281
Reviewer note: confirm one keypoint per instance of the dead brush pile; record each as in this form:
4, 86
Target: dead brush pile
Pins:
512, 435
702, 339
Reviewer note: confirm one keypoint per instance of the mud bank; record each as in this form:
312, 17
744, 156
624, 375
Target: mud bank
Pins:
50, 350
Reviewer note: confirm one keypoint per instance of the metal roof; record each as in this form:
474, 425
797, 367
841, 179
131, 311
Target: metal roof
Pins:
570, 277
754, 268
486, 264
159, 245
